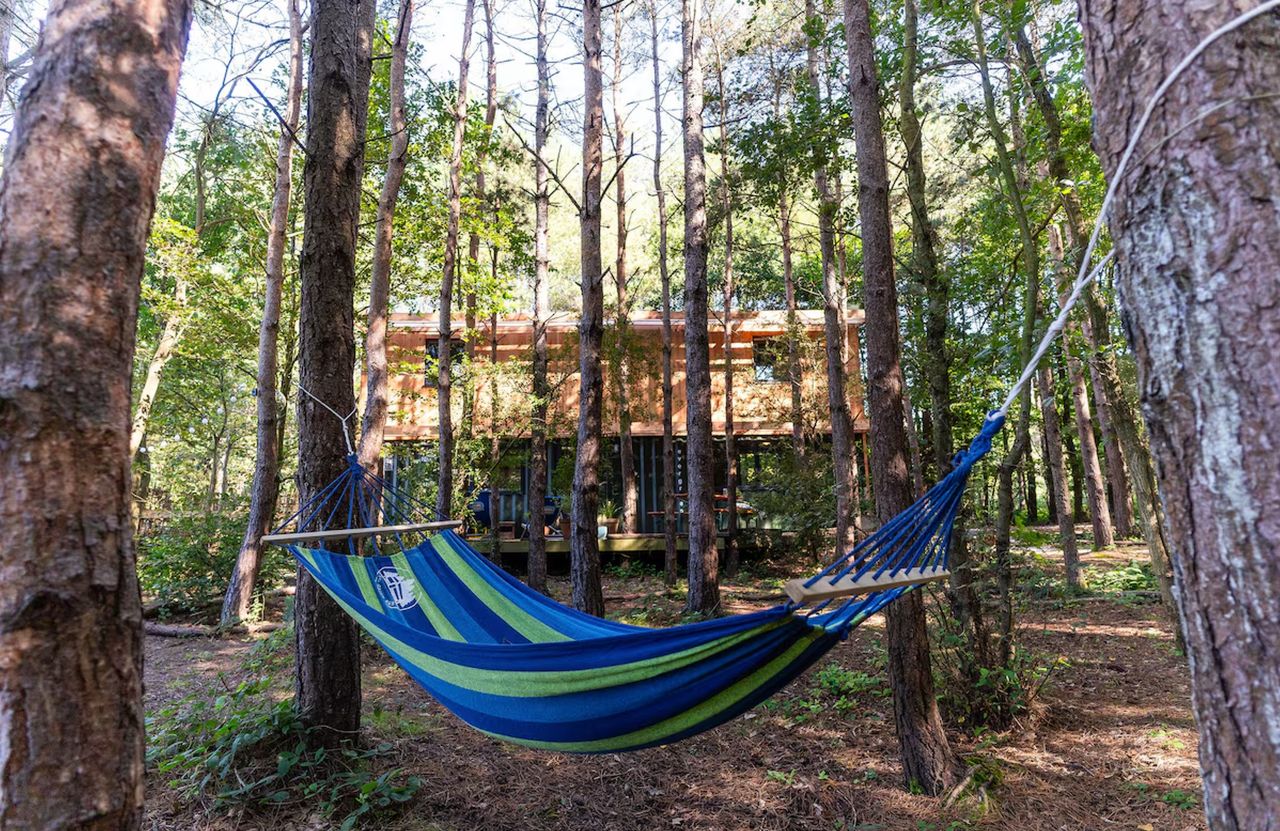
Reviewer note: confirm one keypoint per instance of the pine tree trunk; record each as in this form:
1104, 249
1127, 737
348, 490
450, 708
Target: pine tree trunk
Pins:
626, 448
730, 443
704, 583
833, 315
584, 547
327, 641
1193, 223
81, 171
926, 756
537, 564
375, 343
444, 349
794, 376
669, 559
266, 470
1057, 475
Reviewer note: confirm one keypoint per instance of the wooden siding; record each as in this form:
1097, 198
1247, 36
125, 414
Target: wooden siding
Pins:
761, 408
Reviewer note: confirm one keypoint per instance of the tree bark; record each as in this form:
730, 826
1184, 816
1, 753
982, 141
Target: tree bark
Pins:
81, 171
584, 547
670, 563
833, 317
266, 469
926, 755
1193, 226
626, 448
327, 642
444, 350
1057, 475
730, 443
704, 583
537, 564
375, 343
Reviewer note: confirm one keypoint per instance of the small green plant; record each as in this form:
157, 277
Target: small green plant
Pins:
1135, 575
242, 748
1180, 799
787, 778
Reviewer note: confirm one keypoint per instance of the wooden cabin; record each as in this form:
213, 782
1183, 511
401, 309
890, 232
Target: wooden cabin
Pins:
500, 391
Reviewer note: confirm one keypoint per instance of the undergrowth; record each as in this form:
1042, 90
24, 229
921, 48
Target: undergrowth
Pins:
244, 749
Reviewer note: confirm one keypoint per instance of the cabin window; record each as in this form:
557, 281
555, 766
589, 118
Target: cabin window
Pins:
431, 364
769, 356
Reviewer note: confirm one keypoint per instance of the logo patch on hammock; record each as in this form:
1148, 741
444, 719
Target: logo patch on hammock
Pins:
394, 589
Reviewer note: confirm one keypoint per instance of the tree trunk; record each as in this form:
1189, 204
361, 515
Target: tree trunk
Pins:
626, 448
794, 376
1117, 477
81, 171
1091, 464
1057, 475
913, 442
730, 444
1064, 183
926, 756
327, 640
270, 412
1198, 288
375, 344
444, 351
670, 563
170, 335
704, 583
537, 564
584, 547
833, 315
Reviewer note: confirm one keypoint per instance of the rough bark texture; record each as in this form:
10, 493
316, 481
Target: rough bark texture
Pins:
1195, 226
704, 584
537, 564
375, 341
926, 755
327, 685
266, 466
670, 563
584, 545
1057, 474
833, 302
444, 332
626, 448
81, 171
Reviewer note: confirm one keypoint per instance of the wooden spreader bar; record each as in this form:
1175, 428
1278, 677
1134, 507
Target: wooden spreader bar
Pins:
847, 586
361, 533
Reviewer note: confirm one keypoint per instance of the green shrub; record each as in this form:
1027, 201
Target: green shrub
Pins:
1134, 576
244, 749
185, 564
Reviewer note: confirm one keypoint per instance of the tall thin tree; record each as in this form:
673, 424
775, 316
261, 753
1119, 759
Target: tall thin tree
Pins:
375, 343
444, 328
622, 323
704, 584
670, 563
926, 755
584, 546
537, 564
266, 468
327, 641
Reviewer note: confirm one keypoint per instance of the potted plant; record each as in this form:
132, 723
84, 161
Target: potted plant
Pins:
609, 516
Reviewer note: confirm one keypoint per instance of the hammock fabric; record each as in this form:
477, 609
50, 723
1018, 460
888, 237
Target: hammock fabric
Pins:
521, 667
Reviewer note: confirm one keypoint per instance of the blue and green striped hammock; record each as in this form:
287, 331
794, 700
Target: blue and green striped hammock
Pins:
520, 667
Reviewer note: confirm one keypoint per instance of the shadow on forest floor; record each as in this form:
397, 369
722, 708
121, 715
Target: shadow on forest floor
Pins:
1111, 742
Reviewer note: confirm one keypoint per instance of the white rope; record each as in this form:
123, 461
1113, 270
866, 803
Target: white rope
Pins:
346, 427
1086, 275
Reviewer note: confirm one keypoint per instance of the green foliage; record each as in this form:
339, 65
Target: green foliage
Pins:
185, 563
244, 748
1136, 575
794, 495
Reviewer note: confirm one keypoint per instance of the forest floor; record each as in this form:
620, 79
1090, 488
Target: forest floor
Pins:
1109, 741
